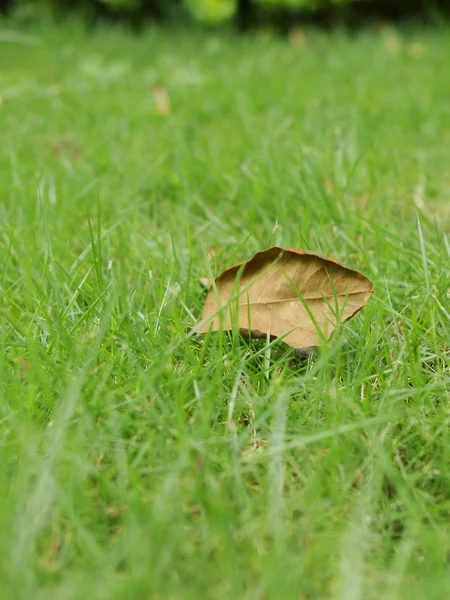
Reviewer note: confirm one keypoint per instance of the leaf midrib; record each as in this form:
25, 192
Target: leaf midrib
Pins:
321, 297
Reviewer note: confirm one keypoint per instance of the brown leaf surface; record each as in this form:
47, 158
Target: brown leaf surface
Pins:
297, 37
297, 295
161, 100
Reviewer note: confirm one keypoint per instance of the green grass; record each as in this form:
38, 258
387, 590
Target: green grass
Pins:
141, 462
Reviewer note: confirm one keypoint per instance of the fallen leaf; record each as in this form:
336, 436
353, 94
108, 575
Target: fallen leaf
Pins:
162, 101
297, 37
24, 364
328, 185
64, 147
392, 44
416, 50
294, 294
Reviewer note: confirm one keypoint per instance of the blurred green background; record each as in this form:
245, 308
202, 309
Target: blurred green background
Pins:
223, 11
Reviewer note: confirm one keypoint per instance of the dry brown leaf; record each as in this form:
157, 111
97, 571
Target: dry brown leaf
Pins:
63, 148
416, 50
24, 364
294, 294
297, 37
162, 100
393, 44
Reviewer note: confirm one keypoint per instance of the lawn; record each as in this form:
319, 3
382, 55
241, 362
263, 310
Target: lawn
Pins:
140, 461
